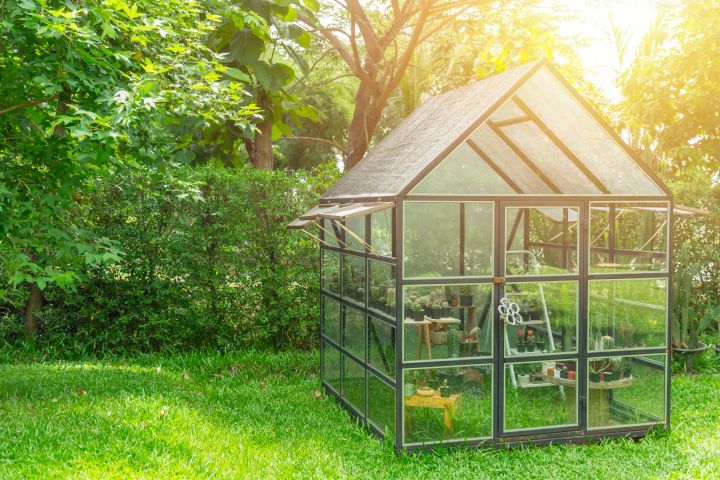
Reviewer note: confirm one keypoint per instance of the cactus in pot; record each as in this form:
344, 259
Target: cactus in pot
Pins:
453, 343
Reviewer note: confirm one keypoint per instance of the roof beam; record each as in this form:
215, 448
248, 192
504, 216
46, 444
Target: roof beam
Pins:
561, 145
513, 120
498, 131
494, 166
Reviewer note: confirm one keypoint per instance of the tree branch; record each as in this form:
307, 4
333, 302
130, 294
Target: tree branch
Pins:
23, 105
315, 139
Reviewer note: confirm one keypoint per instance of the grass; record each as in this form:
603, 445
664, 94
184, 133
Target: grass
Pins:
255, 415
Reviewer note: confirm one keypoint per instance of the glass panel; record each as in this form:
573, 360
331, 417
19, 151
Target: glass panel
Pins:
331, 365
330, 271
382, 287
381, 405
357, 226
479, 223
549, 159
354, 332
447, 321
353, 384
331, 318
432, 239
329, 236
381, 346
505, 158
354, 278
628, 313
636, 241
381, 232
584, 136
626, 391
543, 241
463, 172
537, 397
447, 403
508, 110
538, 333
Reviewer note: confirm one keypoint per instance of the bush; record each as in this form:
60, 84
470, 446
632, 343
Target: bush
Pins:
207, 263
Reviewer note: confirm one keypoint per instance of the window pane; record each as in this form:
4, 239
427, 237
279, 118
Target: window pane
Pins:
447, 321
432, 239
626, 391
533, 399
353, 384
549, 159
584, 136
543, 241
381, 346
330, 271
331, 318
381, 405
447, 403
479, 223
329, 236
628, 313
635, 241
354, 278
331, 365
463, 172
381, 232
549, 318
354, 332
357, 226
382, 287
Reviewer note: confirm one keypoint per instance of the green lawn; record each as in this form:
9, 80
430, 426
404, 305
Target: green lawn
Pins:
256, 416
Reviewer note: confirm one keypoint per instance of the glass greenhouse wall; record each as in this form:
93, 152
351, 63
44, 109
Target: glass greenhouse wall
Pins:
514, 289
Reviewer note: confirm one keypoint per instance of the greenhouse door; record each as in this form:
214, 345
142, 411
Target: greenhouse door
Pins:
538, 292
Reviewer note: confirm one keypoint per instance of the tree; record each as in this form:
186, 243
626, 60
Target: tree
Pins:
89, 89
381, 42
261, 44
671, 90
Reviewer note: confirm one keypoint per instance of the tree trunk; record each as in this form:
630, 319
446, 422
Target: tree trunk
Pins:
362, 128
34, 303
260, 148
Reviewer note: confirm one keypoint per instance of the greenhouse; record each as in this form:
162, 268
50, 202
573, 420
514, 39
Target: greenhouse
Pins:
496, 271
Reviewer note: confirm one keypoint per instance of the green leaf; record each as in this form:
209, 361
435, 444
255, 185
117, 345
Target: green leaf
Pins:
312, 5
245, 48
237, 74
273, 77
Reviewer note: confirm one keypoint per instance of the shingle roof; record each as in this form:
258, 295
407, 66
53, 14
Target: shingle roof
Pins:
423, 136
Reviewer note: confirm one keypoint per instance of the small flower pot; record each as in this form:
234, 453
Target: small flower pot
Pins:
530, 347
521, 347
419, 316
571, 375
445, 312
453, 302
626, 372
594, 376
435, 313
550, 372
428, 311
540, 345
523, 379
444, 391
564, 373
408, 389
466, 300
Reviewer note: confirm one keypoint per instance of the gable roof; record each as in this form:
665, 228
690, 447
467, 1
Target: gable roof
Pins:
436, 130
423, 136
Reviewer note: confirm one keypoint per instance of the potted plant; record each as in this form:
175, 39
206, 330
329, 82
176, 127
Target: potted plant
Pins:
521, 345
540, 343
530, 341
444, 389
453, 300
436, 310
445, 309
418, 312
466, 296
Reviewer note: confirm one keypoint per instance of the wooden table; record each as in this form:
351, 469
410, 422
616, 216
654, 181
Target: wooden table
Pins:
450, 405
423, 331
598, 397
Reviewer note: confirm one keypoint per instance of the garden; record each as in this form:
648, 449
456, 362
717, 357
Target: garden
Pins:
393, 239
